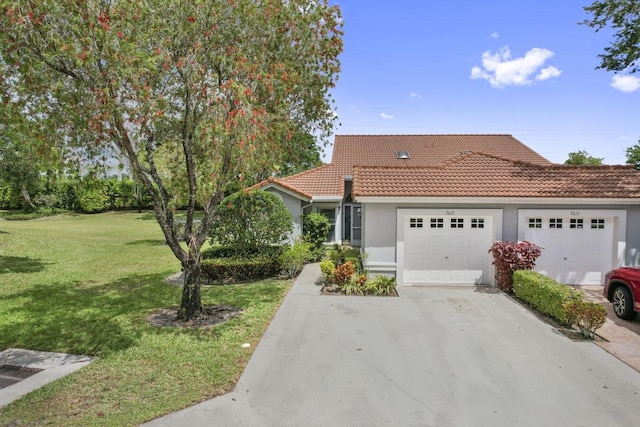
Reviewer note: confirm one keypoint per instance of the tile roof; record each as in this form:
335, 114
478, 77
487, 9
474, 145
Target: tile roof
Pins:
380, 150
478, 174
425, 150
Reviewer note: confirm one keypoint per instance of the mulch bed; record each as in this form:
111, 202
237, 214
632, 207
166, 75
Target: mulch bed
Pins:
212, 315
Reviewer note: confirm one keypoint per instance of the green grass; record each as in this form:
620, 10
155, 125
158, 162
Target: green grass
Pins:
84, 284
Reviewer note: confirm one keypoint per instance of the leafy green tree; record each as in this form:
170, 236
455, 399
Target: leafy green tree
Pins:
581, 157
248, 221
623, 17
195, 94
633, 155
18, 169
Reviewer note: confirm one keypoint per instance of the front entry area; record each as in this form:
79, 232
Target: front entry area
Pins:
446, 246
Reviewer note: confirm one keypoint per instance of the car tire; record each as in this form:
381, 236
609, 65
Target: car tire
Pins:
623, 303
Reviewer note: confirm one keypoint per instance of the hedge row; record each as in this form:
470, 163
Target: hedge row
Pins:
559, 301
222, 270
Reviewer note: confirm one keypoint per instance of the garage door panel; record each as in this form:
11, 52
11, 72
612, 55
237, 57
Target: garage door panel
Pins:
573, 255
451, 253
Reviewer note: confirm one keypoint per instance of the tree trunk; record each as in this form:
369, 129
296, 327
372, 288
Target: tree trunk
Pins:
27, 199
191, 304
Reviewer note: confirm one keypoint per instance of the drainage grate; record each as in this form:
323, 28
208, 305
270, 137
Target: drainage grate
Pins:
10, 374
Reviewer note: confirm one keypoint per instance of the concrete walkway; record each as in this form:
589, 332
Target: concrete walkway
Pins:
622, 337
53, 365
435, 356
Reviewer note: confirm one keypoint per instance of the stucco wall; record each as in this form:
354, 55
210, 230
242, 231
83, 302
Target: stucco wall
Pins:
294, 205
380, 234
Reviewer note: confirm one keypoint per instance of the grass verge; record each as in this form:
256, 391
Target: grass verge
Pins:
84, 284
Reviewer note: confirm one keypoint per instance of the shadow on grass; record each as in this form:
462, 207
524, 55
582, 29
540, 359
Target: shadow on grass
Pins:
147, 216
15, 264
147, 242
80, 318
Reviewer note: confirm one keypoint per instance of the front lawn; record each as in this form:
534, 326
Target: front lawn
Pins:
85, 284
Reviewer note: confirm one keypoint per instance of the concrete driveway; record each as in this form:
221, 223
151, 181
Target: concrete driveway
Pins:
436, 356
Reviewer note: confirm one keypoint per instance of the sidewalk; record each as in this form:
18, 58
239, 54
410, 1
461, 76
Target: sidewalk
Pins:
53, 365
622, 336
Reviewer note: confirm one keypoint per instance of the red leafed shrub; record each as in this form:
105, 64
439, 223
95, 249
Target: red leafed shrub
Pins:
511, 256
342, 274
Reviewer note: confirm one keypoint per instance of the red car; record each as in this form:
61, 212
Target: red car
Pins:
622, 288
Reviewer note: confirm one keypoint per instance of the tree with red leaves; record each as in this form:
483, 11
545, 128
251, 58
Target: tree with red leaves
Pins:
195, 94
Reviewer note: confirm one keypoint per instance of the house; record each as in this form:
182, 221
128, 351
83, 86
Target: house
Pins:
426, 208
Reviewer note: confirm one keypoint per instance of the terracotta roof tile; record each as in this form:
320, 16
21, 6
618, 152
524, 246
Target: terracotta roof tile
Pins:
380, 150
485, 175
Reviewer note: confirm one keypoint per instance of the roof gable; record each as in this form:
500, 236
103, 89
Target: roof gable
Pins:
381, 150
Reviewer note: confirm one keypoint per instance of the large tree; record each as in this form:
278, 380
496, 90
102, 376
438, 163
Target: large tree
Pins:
581, 157
195, 94
623, 17
633, 155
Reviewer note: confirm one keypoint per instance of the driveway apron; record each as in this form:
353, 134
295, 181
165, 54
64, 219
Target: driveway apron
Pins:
435, 356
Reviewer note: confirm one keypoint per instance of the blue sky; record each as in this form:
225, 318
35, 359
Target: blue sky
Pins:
524, 68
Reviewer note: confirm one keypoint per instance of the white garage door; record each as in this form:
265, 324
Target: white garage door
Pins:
577, 251
447, 249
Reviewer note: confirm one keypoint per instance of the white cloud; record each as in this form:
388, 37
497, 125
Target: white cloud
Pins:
547, 73
415, 95
495, 35
625, 84
500, 69
386, 116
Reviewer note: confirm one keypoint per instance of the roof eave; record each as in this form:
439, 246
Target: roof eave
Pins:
499, 200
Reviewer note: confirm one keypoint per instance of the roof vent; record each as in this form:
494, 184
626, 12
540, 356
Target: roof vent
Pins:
402, 154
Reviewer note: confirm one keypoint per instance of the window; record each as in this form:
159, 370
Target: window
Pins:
576, 223
457, 222
555, 223
477, 222
597, 223
437, 223
535, 222
415, 223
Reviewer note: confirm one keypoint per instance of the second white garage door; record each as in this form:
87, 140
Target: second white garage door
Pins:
578, 246
447, 249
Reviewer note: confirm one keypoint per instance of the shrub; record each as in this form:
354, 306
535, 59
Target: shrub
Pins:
315, 228
544, 294
327, 267
247, 220
355, 285
586, 315
231, 252
380, 285
293, 259
221, 270
511, 256
340, 254
48, 201
342, 274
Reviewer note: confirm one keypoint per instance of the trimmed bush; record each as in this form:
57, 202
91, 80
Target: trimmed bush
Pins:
544, 294
223, 270
586, 315
294, 258
327, 267
248, 220
511, 256
232, 252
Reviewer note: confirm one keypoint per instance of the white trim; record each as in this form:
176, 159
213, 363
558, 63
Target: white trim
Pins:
284, 190
321, 199
499, 200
